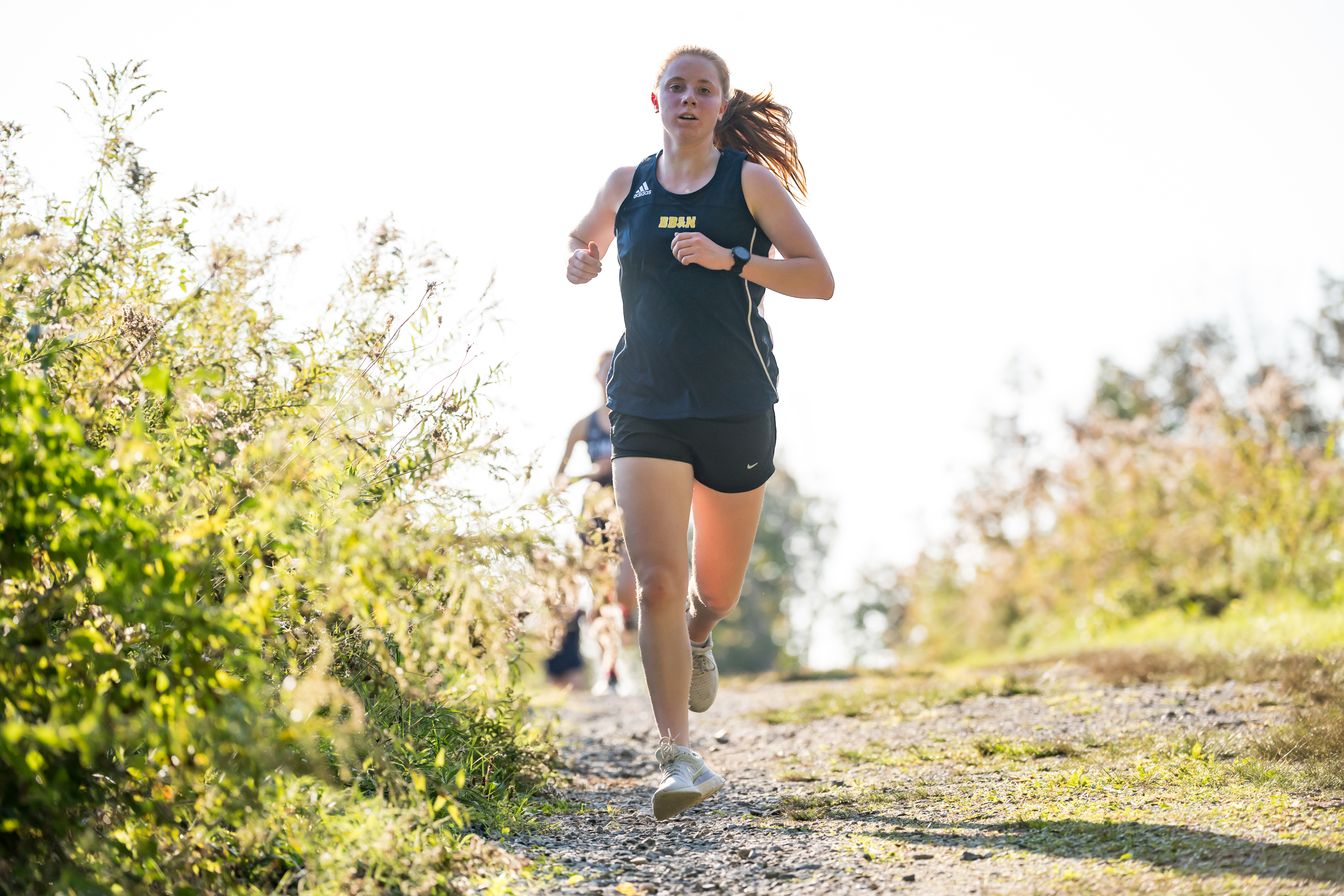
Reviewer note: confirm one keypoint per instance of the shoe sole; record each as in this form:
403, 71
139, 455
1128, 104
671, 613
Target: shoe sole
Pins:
668, 803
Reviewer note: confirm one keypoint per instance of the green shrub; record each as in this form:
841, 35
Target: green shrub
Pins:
259, 632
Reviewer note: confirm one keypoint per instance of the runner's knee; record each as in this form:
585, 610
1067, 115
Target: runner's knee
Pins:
718, 603
659, 585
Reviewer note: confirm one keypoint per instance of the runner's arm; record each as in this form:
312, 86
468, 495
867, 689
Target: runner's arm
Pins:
801, 270
575, 436
599, 225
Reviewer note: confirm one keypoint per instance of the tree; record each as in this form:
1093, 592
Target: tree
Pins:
783, 581
1182, 367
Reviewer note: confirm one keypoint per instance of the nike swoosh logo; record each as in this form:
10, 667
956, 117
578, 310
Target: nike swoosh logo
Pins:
753, 466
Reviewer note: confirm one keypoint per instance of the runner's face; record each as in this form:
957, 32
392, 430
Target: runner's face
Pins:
690, 98
603, 368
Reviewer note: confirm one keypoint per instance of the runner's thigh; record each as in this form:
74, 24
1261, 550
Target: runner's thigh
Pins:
654, 497
725, 530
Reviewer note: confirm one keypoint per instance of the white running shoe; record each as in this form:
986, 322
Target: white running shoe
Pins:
704, 676
687, 780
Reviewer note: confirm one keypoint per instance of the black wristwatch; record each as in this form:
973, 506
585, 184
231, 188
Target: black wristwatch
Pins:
740, 258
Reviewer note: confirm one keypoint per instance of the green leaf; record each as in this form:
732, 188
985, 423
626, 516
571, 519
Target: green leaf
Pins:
155, 380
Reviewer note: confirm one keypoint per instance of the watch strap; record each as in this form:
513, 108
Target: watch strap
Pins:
740, 258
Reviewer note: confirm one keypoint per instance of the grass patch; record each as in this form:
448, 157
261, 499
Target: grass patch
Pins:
1313, 739
1010, 748
1285, 625
1182, 770
875, 849
1010, 685
902, 695
851, 702
1313, 675
885, 754
845, 803
1143, 809
875, 753
819, 675
1206, 811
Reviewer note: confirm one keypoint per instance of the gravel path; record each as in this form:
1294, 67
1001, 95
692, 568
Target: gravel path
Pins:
1055, 784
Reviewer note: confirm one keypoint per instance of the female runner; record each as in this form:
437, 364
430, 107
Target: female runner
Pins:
613, 608
692, 382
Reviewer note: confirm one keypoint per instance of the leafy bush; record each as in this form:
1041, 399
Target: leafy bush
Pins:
260, 633
1185, 489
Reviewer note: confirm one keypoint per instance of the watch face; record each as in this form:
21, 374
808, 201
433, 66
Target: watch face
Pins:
741, 254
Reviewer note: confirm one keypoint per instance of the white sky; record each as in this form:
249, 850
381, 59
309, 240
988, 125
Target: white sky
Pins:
1049, 181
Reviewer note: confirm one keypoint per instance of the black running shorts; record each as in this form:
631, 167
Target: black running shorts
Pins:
727, 454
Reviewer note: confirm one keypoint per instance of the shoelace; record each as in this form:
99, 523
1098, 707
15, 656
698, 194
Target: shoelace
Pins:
681, 764
702, 662
669, 754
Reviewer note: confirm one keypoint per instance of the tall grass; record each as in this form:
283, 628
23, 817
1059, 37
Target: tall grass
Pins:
259, 632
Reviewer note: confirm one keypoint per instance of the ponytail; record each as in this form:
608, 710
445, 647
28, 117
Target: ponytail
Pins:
759, 126
756, 125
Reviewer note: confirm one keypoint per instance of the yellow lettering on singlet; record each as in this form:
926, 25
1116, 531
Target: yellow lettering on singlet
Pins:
682, 222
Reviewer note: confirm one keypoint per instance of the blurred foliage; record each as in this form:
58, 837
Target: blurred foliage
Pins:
1200, 482
769, 630
260, 634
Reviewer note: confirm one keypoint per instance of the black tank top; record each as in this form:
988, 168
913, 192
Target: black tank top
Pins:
695, 342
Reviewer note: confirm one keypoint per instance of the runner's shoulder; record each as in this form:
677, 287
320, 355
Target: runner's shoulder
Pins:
618, 186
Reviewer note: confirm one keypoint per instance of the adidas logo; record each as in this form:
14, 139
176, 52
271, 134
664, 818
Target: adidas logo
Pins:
643, 190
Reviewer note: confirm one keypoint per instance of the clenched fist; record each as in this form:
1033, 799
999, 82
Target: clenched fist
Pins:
690, 247
584, 264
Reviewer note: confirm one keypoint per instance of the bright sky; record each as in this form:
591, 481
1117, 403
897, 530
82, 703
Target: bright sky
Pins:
1052, 181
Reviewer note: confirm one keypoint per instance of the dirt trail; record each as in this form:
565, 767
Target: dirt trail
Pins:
1044, 782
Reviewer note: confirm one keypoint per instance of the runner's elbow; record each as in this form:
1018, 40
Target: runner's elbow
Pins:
827, 285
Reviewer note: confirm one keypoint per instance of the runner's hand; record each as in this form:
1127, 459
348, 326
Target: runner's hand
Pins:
584, 264
690, 247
